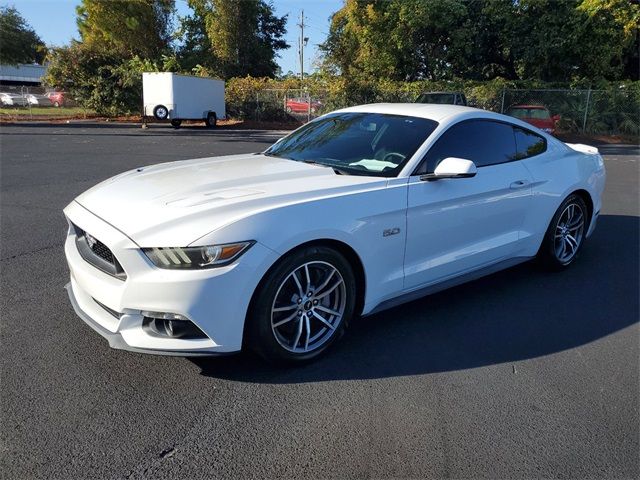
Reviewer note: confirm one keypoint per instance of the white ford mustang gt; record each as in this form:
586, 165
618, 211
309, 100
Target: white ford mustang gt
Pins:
355, 212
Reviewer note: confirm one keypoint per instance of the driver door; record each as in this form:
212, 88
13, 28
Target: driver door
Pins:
458, 225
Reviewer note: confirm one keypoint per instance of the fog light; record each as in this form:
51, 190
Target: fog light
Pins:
163, 315
170, 325
176, 328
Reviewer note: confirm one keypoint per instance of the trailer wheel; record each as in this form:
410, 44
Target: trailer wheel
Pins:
211, 119
175, 123
161, 112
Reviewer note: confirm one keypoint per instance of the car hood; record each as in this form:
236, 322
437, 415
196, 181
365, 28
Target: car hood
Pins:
175, 204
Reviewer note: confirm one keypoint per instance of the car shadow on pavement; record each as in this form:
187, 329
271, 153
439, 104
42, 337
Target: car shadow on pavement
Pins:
518, 314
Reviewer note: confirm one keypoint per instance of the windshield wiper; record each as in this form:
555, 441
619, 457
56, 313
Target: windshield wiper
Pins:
338, 171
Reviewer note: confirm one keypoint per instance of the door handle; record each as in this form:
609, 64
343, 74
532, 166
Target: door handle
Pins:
519, 184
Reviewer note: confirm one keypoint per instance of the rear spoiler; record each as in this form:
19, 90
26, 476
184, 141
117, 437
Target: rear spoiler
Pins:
579, 147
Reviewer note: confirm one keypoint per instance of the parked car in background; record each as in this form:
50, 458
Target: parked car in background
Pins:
354, 212
58, 99
443, 98
537, 115
38, 100
12, 100
302, 105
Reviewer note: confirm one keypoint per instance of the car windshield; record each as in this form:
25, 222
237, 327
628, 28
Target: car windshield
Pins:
523, 112
357, 143
439, 98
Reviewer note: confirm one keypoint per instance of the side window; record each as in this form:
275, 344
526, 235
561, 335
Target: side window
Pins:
484, 142
528, 144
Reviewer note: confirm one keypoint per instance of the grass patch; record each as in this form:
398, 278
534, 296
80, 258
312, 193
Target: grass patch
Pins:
46, 112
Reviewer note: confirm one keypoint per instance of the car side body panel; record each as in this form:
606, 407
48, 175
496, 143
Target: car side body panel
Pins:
557, 174
371, 222
458, 225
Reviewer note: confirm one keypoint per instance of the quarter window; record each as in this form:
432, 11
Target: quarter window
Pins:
528, 143
484, 142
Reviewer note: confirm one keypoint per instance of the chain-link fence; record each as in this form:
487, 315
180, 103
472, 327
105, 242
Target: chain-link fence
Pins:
585, 111
20, 101
608, 112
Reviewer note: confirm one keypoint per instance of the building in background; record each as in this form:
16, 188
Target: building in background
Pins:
22, 75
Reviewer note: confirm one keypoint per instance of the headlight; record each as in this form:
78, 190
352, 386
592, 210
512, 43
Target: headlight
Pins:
196, 257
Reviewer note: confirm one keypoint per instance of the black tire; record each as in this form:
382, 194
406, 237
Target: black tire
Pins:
160, 112
175, 123
555, 237
260, 333
211, 120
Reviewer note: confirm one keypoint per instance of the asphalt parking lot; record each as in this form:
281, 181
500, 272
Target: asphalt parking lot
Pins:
522, 374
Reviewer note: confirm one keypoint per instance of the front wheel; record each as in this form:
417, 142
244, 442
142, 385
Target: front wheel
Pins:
302, 306
566, 233
175, 123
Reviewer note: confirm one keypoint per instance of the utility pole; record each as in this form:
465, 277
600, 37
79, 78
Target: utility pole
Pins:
302, 42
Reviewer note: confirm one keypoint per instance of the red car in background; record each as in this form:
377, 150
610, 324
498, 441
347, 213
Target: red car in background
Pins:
57, 99
301, 105
537, 115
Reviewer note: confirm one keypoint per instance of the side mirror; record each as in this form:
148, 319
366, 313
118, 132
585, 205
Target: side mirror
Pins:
452, 167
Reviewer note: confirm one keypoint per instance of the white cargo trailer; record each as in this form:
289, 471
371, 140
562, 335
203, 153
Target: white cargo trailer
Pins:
174, 97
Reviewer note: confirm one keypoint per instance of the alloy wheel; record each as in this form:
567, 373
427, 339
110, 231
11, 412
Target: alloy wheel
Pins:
308, 307
569, 233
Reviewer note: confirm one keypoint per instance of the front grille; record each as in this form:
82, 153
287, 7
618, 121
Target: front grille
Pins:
98, 254
101, 250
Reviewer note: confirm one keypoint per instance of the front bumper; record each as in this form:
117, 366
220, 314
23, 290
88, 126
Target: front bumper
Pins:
215, 300
116, 340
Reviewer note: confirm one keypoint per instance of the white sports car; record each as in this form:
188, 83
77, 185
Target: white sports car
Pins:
354, 212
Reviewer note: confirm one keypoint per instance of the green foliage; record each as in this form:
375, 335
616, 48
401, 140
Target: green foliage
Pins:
194, 51
549, 40
120, 39
233, 38
613, 106
102, 81
19, 43
128, 27
394, 39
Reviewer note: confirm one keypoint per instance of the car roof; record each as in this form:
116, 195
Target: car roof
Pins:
430, 111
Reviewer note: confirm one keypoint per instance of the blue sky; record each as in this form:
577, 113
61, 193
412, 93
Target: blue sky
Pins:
55, 22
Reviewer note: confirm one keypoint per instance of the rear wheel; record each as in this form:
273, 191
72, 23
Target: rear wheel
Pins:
303, 305
211, 120
566, 233
175, 123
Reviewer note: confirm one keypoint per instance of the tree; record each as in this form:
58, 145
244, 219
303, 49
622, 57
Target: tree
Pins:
194, 51
550, 40
395, 39
244, 36
119, 40
19, 43
625, 14
126, 27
